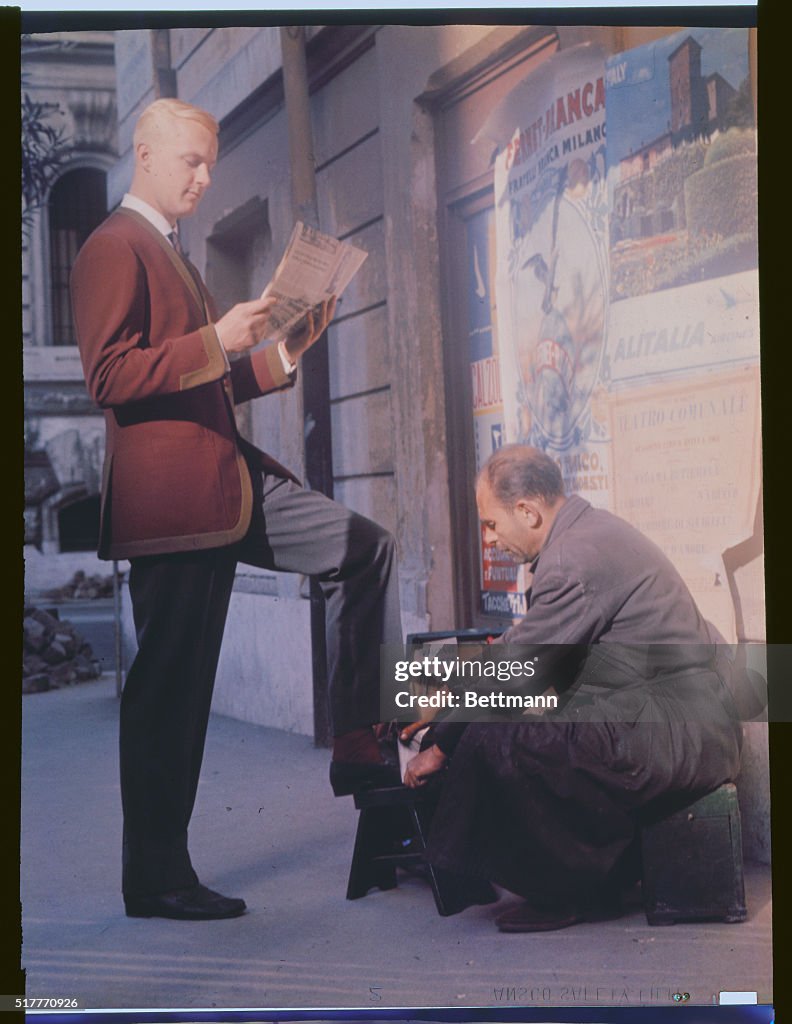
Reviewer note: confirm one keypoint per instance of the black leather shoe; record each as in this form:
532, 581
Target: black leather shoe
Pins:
348, 777
526, 917
530, 917
194, 904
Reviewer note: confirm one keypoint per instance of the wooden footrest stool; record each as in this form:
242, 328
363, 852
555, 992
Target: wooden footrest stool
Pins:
391, 833
692, 862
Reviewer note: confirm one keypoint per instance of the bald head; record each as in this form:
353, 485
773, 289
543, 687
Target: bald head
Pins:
519, 471
518, 493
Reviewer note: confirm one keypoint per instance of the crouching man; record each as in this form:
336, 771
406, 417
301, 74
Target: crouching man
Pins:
547, 807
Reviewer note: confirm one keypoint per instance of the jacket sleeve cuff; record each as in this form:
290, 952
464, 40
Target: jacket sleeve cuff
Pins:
259, 374
216, 361
269, 371
288, 366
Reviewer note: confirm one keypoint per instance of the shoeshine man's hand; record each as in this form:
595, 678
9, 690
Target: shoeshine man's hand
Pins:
427, 763
309, 329
244, 325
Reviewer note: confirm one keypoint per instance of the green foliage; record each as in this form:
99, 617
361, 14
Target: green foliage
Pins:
720, 199
710, 259
42, 152
700, 257
740, 111
735, 142
671, 173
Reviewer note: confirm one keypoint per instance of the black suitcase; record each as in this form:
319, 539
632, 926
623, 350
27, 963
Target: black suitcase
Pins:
692, 862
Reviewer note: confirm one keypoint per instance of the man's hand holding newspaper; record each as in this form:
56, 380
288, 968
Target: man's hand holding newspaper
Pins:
309, 329
314, 271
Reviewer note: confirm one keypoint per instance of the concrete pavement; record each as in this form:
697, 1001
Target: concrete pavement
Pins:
266, 827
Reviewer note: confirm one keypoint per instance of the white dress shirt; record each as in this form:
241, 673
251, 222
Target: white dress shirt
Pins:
163, 225
154, 217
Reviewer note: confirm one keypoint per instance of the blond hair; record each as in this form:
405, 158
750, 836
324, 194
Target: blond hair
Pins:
153, 120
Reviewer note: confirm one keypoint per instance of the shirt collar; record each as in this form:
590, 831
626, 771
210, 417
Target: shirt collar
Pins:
572, 509
154, 217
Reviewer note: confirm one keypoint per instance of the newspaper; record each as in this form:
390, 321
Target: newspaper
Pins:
314, 267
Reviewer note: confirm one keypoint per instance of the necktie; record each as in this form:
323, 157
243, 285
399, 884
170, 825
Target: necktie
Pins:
173, 238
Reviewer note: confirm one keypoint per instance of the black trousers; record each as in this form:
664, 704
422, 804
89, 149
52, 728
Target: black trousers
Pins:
549, 808
180, 602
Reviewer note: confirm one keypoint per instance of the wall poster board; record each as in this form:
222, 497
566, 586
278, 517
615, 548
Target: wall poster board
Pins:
626, 288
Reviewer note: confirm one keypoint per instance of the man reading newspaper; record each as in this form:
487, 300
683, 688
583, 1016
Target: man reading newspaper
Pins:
185, 498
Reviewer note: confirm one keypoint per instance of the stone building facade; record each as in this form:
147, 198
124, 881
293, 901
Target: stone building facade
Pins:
72, 75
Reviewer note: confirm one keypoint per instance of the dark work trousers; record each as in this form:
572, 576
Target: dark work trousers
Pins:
550, 809
180, 602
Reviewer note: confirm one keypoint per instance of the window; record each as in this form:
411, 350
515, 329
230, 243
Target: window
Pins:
77, 205
239, 263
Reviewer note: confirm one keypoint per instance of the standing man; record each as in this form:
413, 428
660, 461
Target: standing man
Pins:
546, 807
184, 498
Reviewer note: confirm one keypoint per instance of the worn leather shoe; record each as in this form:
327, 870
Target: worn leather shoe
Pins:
194, 904
525, 917
536, 917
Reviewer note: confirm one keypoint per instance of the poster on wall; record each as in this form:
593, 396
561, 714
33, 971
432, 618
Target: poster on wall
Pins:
680, 367
682, 188
681, 163
551, 209
626, 239
502, 584
689, 466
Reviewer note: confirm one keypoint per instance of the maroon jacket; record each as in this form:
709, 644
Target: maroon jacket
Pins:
175, 476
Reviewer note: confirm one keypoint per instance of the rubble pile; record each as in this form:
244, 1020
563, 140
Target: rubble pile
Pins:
54, 654
82, 586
